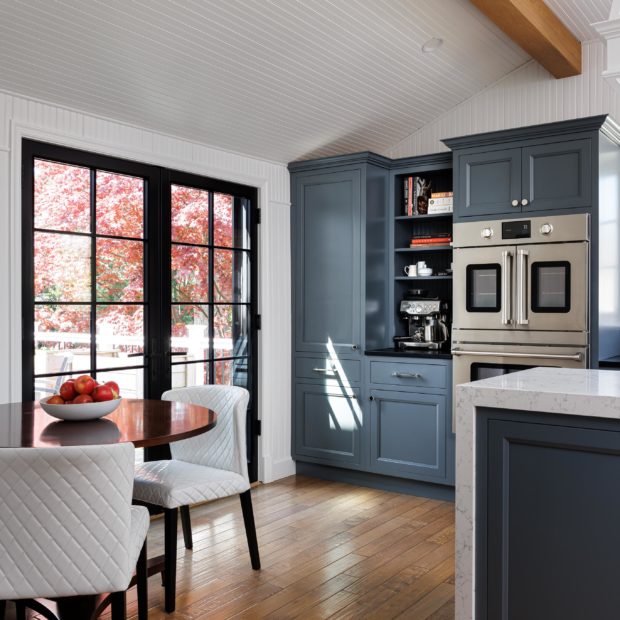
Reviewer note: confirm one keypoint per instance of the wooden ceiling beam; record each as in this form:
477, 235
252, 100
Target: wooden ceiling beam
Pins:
538, 30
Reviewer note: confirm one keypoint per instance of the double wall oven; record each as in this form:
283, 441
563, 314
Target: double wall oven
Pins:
521, 295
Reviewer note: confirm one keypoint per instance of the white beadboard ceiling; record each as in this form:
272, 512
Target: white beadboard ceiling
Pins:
275, 79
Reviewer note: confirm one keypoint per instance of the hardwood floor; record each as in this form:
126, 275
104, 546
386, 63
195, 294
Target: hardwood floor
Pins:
328, 550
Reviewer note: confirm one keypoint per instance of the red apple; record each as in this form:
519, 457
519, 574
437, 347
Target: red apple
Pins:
103, 392
84, 384
114, 386
82, 399
55, 400
67, 390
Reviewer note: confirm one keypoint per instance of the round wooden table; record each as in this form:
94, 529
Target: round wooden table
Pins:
145, 423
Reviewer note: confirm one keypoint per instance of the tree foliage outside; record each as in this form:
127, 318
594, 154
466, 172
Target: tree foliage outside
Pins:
62, 261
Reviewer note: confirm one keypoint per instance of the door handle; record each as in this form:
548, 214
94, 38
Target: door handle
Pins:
522, 287
576, 357
506, 300
407, 375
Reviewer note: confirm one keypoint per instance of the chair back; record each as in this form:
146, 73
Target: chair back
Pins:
65, 520
223, 447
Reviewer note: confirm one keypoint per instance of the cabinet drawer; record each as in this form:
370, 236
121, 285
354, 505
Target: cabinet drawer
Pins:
346, 371
407, 374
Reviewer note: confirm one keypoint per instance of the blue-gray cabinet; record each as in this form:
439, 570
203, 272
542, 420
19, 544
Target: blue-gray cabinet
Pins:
547, 516
408, 434
328, 424
339, 241
513, 172
410, 416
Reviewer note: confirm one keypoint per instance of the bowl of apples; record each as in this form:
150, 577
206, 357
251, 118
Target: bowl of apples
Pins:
82, 399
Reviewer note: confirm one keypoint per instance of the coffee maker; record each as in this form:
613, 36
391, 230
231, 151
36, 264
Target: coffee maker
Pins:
427, 322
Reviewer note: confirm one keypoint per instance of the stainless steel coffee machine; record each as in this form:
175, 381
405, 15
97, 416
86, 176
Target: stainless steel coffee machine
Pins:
427, 324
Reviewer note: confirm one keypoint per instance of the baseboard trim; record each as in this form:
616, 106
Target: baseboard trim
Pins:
275, 470
376, 481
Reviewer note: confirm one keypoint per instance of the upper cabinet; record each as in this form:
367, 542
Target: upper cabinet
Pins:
513, 172
339, 247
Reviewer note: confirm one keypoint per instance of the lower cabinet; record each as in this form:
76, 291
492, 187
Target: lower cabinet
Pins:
408, 434
394, 420
328, 424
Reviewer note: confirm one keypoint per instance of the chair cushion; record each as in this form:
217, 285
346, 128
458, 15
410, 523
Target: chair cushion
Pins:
140, 522
173, 483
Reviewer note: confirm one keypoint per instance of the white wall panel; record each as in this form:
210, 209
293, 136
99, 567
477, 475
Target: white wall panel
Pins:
21, 117
527, 96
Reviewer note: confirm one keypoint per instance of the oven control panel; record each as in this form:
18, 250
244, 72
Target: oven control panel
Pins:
521, 229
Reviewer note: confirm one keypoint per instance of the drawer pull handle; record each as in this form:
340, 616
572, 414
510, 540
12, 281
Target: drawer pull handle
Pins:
407, 375
326, 371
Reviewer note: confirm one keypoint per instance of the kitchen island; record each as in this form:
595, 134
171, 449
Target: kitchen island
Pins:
538, 495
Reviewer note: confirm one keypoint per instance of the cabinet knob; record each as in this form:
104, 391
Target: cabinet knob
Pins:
371, 398
515, 203
525, 202
354, 347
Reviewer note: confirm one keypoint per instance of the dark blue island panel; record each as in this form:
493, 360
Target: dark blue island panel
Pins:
548, 516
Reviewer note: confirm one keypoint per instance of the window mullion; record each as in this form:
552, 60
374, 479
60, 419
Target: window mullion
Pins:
93, 272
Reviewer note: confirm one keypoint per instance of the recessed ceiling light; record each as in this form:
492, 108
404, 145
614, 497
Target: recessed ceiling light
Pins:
432, 45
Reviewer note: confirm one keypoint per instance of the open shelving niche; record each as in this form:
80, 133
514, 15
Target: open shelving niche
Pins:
406, 226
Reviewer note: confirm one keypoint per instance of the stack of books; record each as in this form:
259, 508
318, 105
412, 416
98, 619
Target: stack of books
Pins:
416, 194
440, 202
431, 240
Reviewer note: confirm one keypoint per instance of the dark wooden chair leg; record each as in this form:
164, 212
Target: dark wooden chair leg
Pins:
142, 585
186, 524
170, 558
119, 605
250, 528
2, 609
20, 610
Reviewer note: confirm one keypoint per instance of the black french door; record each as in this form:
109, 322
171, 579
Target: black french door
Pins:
138, 274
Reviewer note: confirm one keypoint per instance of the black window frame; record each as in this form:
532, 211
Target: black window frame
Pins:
158, 357
469, 276
535, 273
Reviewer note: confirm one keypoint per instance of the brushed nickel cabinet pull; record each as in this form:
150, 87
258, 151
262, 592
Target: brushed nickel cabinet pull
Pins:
407, 375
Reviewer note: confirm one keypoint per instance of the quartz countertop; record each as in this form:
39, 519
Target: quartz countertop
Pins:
553, 390
589, 393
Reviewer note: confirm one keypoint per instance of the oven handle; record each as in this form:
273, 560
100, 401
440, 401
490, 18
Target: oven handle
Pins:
576, 357
506, 286
522, 287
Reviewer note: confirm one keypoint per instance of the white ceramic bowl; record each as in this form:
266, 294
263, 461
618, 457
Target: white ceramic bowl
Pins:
425, 272
76, 413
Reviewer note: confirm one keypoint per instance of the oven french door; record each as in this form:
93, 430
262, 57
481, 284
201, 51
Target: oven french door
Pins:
529, 287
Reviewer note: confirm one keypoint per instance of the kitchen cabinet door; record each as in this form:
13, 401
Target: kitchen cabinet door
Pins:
408, 435
488, 183
328, 424
328, 262
557, 176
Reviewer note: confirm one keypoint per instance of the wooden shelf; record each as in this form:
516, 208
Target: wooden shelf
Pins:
426, 248
405, 278
433, 216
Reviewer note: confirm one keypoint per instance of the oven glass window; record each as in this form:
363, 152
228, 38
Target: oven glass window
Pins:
551, 286
486, 371
483, 288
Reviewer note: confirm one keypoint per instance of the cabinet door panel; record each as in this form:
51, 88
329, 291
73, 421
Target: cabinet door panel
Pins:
558, 176
408, 432
327, 246
328, 423
488, 183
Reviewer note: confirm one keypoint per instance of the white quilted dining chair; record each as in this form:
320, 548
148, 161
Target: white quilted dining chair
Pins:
67, 526
204, 468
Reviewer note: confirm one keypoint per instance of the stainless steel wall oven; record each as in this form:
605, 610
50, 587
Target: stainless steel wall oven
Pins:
521, 295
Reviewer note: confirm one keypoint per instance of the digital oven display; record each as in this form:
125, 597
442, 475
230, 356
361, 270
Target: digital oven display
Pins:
517, 230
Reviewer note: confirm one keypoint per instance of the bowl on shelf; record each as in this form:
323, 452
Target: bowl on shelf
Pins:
425, 272
85, 411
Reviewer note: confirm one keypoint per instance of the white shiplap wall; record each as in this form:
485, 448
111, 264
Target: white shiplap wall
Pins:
21, 117
527, 96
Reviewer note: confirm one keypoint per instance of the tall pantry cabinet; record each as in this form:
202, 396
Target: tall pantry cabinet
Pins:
339, 243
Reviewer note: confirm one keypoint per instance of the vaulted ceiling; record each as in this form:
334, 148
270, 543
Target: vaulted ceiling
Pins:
276, 79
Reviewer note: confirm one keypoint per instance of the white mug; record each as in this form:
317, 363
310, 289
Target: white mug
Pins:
421, 265
411, 270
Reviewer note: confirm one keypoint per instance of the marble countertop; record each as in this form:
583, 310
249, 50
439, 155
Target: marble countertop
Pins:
552, 390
